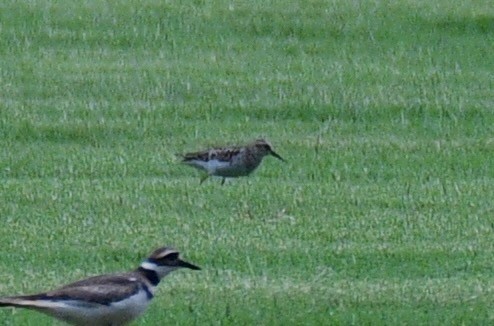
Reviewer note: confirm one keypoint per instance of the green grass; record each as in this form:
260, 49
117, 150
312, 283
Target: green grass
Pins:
382, 216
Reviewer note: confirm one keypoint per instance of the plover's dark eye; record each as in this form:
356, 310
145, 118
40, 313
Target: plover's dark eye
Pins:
172, 256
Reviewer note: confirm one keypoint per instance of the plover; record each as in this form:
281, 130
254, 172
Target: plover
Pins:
230, 162
111, 299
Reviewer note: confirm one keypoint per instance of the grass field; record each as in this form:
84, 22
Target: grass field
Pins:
384, 110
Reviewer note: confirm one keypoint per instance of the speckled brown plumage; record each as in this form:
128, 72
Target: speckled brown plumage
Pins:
230, 162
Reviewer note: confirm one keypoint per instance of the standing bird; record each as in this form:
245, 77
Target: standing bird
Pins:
230, 162
105, 300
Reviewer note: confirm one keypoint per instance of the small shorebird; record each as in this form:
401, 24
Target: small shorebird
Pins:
230, 162
104, 300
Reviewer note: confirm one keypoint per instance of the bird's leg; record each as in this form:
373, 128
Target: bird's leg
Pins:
203, 178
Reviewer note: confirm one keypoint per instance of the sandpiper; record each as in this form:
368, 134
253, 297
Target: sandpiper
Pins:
230, 162
111, 299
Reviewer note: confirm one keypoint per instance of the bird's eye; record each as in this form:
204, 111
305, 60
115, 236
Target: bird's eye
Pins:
172, 256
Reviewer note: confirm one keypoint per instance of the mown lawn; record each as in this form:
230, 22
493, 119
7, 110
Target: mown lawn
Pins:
384, 110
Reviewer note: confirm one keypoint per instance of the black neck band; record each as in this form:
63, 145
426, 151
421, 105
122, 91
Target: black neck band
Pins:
151, 275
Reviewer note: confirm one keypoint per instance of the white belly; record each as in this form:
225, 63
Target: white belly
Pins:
212, 166
117, 313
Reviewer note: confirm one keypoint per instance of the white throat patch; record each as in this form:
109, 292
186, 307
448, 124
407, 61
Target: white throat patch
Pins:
150, 266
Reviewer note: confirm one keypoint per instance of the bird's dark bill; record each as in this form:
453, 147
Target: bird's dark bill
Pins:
185, 264
277, 156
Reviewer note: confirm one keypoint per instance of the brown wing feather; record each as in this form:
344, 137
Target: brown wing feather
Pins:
225, 154
103, 289
220, 154
202, 156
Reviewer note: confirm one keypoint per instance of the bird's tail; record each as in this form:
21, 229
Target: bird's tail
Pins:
31, 302
183, 158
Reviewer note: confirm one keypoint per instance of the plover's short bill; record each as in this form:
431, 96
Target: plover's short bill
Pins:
112, 299
230, 162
